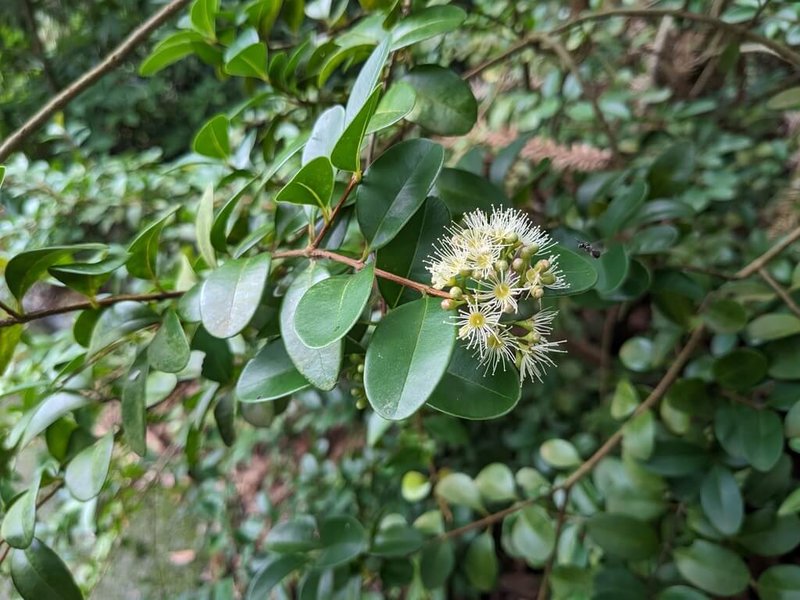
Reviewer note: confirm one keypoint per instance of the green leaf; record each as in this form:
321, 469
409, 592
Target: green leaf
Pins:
625, 400
346, 153
712, 568
612, 268
469, 392
49, 411
725, 316
436, 563
638, 436
269, 375
232, 293
397, 540
224, 415
681, 592
25, 269
312, 185
741, 369
791, 505
560, 453
766, 534
298, 535
671, 171
623, 536
762, 438
779, 582
480, 563
327, 130
212, 139
622, 209
415, 486
341, 539
247, 56
118, 321
407, 357
271, 574
203, 224
219, 228
637, 354
445, 104
772, 327
202, 15
134, 405
722, 501
496, 483
169, 351
396, 103
425, 24
342, 300
785, 100
218, 361
88, 278
9, 337
170, 50
2, 175
533, 535
143, 250
463, 192
262, 14
363, 90
405, 255
394, 187
87, 472
19, 522
319, 365
578, 271
39, 574
461, 490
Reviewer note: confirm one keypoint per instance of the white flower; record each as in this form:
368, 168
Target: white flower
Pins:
533, 359
448, 262
476, 322
501, 289
501, 347
543, 320
481, 261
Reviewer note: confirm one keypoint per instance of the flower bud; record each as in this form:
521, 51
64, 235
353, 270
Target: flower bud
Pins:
543, 264
533, 337
356, 392
465, 272
531, 275
355, 358
518, 264
548, 278
511, 238
360, 368
361, 403
456, 292
537, 292
447, 304
501, 265
528, 251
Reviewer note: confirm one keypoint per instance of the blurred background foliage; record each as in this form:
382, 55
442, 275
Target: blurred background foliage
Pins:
668, 146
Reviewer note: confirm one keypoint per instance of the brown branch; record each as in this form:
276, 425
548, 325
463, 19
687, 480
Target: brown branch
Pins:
762, 260
548, 567
9, 310
110, 62
787, 299
327, 225
60, 310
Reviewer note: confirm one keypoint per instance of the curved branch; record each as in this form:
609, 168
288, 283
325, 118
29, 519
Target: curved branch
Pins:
109, 63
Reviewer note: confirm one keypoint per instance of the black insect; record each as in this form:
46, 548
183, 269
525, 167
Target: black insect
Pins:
589, 249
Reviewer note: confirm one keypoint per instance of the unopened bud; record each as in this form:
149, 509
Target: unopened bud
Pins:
548, 278
533, 337
355, 358
537, 292
511, 238
465, 272
451, 282
501, 265
361, 403
356, 392
447, 304
456, 292
360, 369
543, 264
531, 275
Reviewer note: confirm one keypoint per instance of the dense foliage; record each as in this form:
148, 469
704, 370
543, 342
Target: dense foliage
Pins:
400, 298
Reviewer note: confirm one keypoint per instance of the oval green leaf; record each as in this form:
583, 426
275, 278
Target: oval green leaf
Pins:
39, 574
407, 357
87, 472
712, 568
212, 139
623, 536
312, 185
169, 351
445, 104
722, 501
269, 375
19, 522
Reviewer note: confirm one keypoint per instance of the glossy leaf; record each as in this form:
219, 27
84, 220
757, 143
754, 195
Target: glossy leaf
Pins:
560, 453
9, 337
397, 540
346, 154
740, 369
463, 192
202, 16
722, 501
312, 185
247, 56
623, 536
218, 360
319, 365
670, 172
436, 563
622, 208
170, 50
326, 132
779, 582
405, 255
773, 326
25, 269
232, 293
461, 490
269, 375
344, 298
407, 357
39, 574
87, 472
271, 574
712, 568
578, 270
762, 438
118, 321
725, 316
19, 522
394, 187
425, 24
134, 405
49, 411
468, 391
533, 535
88, 278
212, 139
169, 351
203, 223
445, 104
480, 563
397, 102
341, 540
362, 92
143, 250
297, 535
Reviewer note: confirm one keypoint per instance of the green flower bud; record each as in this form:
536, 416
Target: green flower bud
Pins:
456, 292
465, 272
537, 292
531, 275
501, 265
548, 278
511, 238
360, 368
518, 264
361, 403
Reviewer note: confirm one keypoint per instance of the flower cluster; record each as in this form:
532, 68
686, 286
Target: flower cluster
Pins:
490, 263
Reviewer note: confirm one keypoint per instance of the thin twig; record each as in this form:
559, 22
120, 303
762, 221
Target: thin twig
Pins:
9, 310
548, 567
784, 295
762, 260
327, 225
109, 63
